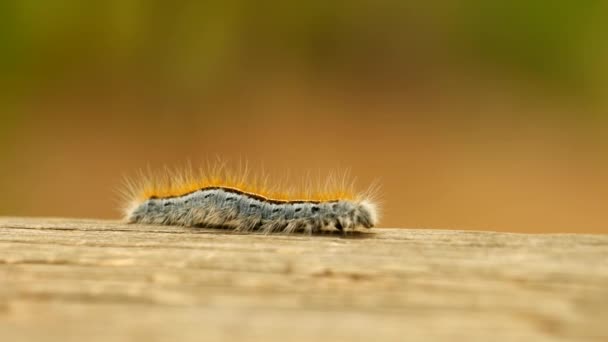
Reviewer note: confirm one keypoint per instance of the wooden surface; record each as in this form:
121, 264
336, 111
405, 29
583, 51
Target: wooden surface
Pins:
83, 280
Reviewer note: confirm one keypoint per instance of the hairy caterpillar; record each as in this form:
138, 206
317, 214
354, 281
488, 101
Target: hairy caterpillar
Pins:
218, 198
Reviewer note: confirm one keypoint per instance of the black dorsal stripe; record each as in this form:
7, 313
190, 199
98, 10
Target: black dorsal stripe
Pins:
247, 194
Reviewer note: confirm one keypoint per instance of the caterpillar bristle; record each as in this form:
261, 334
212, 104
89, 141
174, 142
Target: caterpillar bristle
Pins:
235, 198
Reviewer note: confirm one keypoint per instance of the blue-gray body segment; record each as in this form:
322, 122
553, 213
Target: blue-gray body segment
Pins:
227, 208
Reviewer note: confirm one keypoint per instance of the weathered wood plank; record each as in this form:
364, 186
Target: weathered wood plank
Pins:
63, 279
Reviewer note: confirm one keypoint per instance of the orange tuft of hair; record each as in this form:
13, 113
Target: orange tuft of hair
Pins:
181, 181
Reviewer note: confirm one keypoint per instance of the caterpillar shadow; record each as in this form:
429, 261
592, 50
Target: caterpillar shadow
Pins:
345, 234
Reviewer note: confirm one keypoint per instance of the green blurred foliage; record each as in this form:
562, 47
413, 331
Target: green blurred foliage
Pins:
561, 42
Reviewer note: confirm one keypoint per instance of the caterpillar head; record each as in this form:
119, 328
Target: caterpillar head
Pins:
366, 214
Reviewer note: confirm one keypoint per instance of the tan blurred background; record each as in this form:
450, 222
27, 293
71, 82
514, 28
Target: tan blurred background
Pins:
472, 114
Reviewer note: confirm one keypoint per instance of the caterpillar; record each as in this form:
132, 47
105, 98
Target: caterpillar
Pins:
217, 198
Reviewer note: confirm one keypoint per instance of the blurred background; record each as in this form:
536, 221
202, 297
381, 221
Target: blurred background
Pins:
472, 114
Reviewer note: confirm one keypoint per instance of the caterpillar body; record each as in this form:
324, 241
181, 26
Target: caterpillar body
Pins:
224, 200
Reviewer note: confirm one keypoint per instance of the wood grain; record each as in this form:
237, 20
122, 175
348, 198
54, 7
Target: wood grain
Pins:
69, 280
